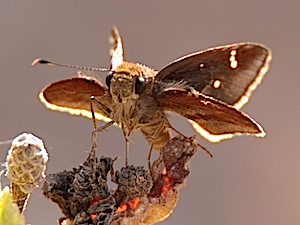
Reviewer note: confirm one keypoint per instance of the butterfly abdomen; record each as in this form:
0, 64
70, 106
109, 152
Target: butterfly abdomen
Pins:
156, 132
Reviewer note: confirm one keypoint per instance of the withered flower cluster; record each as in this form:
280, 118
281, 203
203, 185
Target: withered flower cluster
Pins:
143, 196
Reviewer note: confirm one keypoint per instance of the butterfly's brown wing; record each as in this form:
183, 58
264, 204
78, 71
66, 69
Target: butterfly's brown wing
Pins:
211, 118
74, 96
228, 73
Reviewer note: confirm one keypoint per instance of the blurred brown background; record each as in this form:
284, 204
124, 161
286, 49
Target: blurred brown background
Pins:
249, 180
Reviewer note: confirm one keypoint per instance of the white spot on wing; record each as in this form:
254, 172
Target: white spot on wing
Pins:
217, 84
232, 59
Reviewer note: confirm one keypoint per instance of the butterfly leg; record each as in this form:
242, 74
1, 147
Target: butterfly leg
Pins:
149, 157
127, 140
97, 129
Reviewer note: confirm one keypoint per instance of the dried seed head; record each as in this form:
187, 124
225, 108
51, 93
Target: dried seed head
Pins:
84, 187
56, 187
26, 162
26, 165
133, 181
91, 182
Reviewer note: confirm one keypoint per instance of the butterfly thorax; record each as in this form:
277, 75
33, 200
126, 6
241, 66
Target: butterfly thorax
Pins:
133, 105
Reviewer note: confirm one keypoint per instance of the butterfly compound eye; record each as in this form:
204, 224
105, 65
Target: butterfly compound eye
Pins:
140, 84
108, 79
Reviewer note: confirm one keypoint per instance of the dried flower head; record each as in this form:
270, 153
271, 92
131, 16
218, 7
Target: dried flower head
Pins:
141, 197
26, 165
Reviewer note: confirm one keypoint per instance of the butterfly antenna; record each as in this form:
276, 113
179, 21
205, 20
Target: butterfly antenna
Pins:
46, 62
206, 150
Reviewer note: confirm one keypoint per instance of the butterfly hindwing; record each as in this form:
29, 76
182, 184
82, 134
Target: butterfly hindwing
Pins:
74, 96
211, 118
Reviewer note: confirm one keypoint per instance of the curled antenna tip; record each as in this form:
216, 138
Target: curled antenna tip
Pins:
36, 61
39, 61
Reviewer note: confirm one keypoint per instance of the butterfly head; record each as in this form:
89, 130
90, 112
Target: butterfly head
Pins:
128, 81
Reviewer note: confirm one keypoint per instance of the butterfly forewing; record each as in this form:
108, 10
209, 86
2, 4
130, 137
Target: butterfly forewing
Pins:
74, 96
228, 73
116, 51
213, 119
